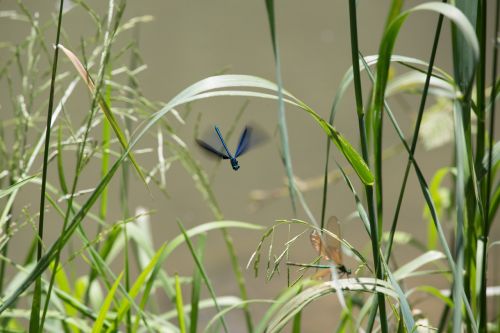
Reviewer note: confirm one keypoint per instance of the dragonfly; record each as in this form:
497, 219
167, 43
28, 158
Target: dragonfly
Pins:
332, 250
250, 137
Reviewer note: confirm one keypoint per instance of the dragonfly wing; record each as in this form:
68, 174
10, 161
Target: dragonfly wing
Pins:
244, 141
212, 150
318, 245
251, 136
333, 246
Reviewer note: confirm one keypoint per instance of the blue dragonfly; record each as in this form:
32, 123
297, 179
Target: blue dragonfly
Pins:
249, 138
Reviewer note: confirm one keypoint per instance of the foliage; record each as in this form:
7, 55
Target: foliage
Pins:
463, 196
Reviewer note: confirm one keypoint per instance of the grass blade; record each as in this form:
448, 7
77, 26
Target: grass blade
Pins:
16, 186
98, 325
282, 120
179, 304
37, 296
204, 275
196, 286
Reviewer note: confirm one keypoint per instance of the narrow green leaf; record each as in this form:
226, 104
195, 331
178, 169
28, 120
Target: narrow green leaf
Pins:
290, 306
17, 185
282, 120
136, 287
495, 159
416, 263
98, 325
436, 293
204, 275
179, 304
60, 163
196, 286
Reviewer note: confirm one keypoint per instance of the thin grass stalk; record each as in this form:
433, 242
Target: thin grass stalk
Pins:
415, 134
80, 153
377, 115
37, 296
240, 279
5, 249
443, 319
483, 301
128, 315
465, 207
124, 193
364, 149
461, 215
480, 83
281, 117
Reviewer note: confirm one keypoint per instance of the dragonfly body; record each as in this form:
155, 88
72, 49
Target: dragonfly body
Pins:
232, 159
344, 270
248, 139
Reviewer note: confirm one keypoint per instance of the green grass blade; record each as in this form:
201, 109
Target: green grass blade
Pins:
416, 263
34, 326
442, 239
282, 120
196, 286
404, 306
179, 304
282, 299
204, 275
124, 305
98, 325
60, 164
298, 301
488, 164
415, 133
16, 186
463, 174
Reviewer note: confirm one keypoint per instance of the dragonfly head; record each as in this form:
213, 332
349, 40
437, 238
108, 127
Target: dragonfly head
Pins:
234, 164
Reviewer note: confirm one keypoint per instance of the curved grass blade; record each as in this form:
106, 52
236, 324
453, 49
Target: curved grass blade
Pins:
288, 305
202, 89
392, 31
416, 263
236, 305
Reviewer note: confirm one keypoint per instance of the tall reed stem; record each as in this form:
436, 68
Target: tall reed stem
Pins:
37, 296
